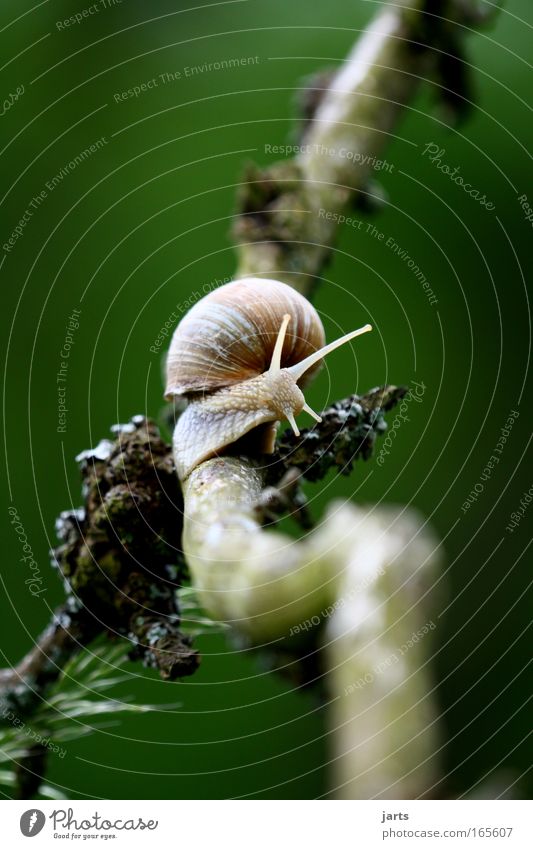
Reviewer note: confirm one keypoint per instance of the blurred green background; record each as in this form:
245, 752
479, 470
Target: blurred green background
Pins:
142, 223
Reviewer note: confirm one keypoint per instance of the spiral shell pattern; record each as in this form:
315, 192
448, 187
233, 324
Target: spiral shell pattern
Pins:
229, 336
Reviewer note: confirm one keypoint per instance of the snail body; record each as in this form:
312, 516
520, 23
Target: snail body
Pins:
240, 357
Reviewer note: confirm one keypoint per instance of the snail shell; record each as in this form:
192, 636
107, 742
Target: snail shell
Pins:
229, 336
240, 356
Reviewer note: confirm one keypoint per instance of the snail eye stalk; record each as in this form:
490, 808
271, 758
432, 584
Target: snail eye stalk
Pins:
300, 368
275, 363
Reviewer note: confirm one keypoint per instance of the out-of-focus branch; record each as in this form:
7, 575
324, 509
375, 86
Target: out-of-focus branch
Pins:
377, 647
289, 211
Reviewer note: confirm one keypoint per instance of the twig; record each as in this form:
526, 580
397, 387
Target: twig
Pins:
121, 553
121, 561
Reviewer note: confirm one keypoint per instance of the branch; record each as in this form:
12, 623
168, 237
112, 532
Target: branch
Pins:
121, 563
266, 583
289, 211
289, 216
132, 516
348, 431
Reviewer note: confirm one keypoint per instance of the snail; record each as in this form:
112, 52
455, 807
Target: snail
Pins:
240, 357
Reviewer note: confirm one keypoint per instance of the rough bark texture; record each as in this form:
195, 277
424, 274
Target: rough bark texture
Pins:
121, 563
120, 556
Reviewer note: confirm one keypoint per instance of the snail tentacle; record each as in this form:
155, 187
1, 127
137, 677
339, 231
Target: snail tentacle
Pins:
311, 412
275, 363
298, 370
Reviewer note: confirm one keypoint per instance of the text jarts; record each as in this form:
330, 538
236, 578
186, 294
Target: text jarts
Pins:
387, 817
